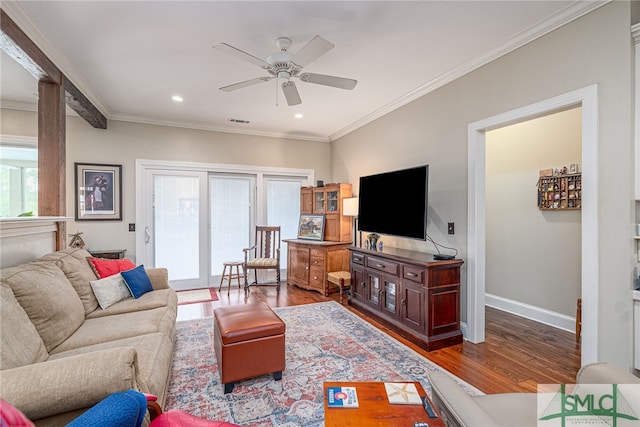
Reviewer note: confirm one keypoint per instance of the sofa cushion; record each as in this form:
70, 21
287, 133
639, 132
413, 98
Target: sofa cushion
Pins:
73, 262
108, 267
110, 290
148, 301
20, 343
154, 353
48, 298
118, 326
137, 281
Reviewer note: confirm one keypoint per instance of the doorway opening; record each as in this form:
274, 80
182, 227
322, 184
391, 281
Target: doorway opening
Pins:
541, 279
587, 98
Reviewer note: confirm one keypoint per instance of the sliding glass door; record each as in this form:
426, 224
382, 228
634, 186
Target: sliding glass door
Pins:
283, 208
232, 218
191, 218
175, 230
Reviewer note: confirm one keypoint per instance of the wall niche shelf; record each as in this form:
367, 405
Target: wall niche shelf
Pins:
560, 192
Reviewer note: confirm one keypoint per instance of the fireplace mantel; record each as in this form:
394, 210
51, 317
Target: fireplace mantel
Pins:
26, 238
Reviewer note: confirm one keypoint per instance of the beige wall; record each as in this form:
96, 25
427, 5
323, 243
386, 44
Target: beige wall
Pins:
123, 142
517, 231
596, 49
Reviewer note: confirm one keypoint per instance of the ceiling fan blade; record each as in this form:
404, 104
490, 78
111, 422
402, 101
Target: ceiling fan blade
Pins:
245, 83
291, 93
322, 79
242, 55
312, 51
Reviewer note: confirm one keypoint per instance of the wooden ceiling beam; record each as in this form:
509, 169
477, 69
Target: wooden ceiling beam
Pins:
25, 52
81, 105
20, 47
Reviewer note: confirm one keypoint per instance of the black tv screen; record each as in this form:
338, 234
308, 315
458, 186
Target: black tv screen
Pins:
395, 203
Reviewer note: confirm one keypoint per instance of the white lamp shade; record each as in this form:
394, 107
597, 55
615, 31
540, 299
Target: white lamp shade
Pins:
350, 206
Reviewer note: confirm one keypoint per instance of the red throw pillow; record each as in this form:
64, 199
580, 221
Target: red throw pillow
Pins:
108, 267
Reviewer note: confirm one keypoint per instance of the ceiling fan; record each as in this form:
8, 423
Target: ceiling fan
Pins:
284, 65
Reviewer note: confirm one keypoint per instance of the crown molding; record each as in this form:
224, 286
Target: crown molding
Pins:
212, 128
568, 14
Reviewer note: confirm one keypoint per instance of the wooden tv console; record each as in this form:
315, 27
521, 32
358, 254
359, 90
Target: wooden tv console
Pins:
409, 292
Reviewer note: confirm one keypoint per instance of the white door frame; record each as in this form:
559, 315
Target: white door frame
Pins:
476, 211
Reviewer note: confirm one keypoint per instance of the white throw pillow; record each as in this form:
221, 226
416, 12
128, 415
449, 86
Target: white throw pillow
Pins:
110, 290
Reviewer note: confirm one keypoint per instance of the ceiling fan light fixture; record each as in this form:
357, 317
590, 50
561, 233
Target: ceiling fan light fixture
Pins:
284, 66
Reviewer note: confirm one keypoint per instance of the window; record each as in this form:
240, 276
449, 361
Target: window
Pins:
18, 180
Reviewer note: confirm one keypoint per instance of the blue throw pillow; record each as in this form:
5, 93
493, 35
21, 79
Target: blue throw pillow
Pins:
137, 281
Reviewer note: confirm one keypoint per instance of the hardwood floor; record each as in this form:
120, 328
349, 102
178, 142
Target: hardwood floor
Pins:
517, 355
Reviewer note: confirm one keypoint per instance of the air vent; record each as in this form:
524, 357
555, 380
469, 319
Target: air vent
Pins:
242, 122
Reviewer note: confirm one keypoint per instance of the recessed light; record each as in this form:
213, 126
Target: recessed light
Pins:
298, 115
177, 98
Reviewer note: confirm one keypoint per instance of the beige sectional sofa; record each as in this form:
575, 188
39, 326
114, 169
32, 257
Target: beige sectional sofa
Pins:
60, 353
459, 409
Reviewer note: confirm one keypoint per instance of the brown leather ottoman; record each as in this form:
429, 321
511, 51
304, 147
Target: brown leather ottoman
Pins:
249, 342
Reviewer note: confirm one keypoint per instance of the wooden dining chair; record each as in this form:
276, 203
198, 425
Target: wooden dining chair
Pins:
263, 255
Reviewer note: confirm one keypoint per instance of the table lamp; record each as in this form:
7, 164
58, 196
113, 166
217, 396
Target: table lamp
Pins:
350, 208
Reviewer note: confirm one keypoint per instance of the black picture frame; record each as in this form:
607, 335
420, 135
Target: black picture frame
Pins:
98, 191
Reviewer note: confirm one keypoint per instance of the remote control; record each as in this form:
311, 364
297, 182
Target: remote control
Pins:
427, 407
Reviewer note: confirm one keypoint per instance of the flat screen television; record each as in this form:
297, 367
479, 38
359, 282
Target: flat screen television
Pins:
395, 203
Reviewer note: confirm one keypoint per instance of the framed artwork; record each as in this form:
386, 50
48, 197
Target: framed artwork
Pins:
311, 227
98, 192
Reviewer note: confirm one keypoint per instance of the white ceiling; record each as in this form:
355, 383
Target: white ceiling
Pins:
130, 57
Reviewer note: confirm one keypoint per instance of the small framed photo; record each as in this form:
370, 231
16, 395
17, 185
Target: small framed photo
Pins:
573, 168
311, 227
98, 189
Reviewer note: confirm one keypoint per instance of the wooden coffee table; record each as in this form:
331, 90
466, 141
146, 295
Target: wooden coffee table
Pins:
374, 408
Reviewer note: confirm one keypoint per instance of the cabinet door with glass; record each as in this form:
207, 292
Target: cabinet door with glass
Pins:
373, 290
326, 200
388, 296
319, 201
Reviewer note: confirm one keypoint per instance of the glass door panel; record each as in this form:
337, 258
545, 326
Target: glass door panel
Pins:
283, 207
231, 219
174, 234
374, 290
332, 201
318, 201
390, 296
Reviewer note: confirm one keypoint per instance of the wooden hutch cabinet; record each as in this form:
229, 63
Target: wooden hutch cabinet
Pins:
309, 262
410, 292
327, 201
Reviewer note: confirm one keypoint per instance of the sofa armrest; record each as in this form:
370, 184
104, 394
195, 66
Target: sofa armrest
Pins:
159, 277
605, 373
455, 405
75, 382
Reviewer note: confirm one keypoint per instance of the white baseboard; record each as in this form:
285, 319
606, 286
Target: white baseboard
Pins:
542, 315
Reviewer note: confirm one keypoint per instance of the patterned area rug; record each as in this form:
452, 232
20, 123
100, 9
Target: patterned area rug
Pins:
197, 295
324, 342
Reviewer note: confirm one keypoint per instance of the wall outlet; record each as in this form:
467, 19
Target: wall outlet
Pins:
451, 228
132, 227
